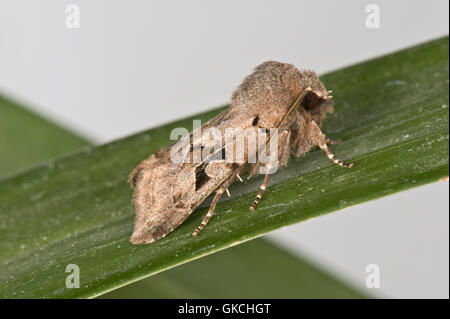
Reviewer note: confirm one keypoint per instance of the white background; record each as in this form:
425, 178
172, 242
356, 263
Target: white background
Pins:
136, 64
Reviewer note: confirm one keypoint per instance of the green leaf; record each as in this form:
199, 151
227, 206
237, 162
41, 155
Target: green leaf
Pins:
391, 113
255, 269
19, 149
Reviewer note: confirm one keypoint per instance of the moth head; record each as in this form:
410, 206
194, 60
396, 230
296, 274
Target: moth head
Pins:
318, 104
318, 101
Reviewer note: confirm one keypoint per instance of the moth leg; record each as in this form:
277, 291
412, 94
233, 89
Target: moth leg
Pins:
216, 198
261, 189
283, 158
329, 141
333, 158
322, 142
209, 214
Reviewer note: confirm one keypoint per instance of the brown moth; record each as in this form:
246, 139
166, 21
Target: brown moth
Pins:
275, 95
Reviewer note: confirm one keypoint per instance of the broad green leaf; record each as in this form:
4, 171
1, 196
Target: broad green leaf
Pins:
255, 269
250, 268
391, 114
27, 139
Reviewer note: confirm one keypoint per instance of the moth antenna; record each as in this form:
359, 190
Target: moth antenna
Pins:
228, 193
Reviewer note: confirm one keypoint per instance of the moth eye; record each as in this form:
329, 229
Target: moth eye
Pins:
311, 101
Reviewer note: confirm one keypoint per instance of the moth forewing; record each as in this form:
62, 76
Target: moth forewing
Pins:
167, 192
165, 195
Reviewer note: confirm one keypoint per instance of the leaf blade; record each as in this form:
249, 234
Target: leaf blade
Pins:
19, 149
242, 271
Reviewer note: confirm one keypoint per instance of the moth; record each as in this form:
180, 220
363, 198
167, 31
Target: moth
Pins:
275, 95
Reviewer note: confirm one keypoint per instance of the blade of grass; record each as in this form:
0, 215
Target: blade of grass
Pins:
250, 270
20, 127
392, 115
27, 139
